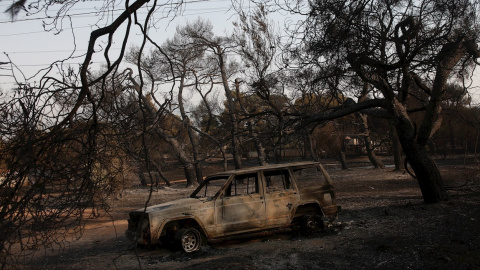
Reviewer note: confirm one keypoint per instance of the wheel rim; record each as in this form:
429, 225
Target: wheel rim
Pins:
312, 223
190, 241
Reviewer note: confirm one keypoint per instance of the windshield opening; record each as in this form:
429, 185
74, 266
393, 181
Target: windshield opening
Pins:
210, 187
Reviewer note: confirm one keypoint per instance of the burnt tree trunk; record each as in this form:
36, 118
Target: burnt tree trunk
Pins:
343, 160
237, 158
452, 138
143, 181
189, 170
425, 169
262, 157
183, 157
311, 149
396, 148
376, 162
194, 141
186, 123
158, 169
343, 150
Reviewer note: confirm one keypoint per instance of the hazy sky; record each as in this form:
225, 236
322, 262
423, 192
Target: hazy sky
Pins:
31, 48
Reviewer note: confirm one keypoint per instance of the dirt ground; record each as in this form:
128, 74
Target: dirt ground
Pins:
384, 224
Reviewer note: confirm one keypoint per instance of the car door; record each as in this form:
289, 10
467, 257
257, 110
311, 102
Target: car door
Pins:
241, 207
280, 196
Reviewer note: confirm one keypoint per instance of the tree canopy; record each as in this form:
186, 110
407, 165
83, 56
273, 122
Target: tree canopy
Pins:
400, 48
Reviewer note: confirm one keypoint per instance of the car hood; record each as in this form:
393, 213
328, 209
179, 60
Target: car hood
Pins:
187, 204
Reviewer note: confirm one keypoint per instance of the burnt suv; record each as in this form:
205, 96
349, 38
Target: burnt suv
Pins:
241, 202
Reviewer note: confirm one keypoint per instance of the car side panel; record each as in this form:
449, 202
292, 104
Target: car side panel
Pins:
239, 213
280, 205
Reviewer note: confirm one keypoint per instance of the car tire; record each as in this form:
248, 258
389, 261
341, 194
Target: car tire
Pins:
188, 239
312, 224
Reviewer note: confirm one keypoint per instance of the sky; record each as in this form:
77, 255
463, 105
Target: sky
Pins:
31, 48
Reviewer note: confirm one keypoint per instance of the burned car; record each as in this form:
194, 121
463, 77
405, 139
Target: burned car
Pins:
237, 203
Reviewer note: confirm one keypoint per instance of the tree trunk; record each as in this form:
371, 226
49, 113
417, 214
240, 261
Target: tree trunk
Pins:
262, 157
311, 149
199, 173
343, 150
376, 162
182, 156
231, 108
158, 169
195, 145
221, 147
452, 138
194, 141
427, 173
396, 148
343, 161
475, 149
143, 181
237, 156
425, 169
189, 170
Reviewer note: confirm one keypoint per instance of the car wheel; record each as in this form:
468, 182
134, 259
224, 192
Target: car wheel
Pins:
188, 239
312, 224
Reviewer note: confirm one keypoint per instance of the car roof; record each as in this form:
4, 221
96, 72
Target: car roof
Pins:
268, 167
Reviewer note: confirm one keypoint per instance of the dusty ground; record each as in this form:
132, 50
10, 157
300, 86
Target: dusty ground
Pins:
384, 224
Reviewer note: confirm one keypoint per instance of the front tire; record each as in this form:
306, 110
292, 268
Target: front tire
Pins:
188, 239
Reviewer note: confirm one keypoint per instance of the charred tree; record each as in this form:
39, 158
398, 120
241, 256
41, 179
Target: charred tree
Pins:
376, 162
405, 58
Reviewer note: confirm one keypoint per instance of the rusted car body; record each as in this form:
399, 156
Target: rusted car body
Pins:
240, 202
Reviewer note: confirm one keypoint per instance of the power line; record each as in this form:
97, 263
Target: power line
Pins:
58, 51
213, 10
50, 17
39, 32
52, 51
80, 50
46, 65
104, 11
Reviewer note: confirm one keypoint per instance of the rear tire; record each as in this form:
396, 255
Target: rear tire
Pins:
312, 225
188, 239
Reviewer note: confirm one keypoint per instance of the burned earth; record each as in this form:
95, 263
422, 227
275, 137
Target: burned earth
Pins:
383, 224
